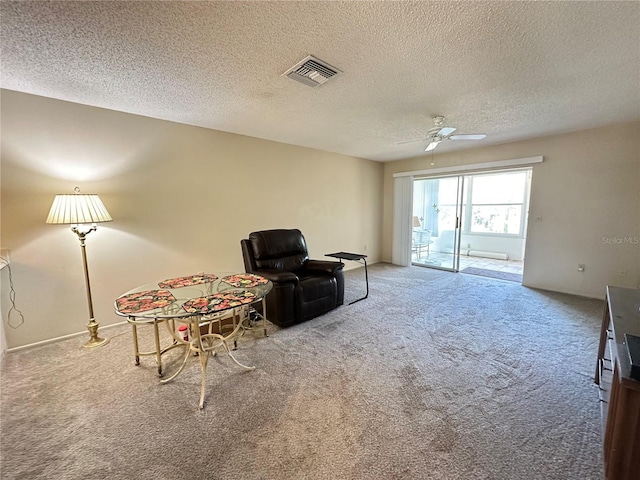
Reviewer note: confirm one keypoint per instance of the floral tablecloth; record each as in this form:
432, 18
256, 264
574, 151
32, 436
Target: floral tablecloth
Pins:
218, 302
188, 281
245, 280
143, 301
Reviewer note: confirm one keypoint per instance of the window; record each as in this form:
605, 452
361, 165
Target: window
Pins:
495, 203
492, 203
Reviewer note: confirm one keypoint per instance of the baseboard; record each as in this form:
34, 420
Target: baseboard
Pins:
58, 339
566, 292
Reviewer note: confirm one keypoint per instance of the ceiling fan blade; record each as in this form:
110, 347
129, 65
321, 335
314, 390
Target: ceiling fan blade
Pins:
446, 131
475, 136
431, 146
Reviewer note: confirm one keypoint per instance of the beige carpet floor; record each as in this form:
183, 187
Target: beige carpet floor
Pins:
485, 272
435, 376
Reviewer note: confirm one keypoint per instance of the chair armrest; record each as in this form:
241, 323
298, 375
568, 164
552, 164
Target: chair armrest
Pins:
323, 266
278, 276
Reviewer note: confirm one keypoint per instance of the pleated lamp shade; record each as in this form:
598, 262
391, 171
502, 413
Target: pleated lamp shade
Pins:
78, 208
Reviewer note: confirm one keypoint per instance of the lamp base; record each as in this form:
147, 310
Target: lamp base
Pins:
94, 341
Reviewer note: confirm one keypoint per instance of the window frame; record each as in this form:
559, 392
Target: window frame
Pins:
524, 206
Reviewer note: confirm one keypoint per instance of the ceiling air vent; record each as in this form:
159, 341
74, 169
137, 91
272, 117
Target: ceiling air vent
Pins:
311, 71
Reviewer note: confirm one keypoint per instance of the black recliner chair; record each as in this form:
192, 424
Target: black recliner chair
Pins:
302, 288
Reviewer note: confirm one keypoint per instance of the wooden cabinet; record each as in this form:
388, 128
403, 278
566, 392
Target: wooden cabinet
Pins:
619, 393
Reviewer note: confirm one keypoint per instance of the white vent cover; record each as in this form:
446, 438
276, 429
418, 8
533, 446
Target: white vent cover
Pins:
311, 71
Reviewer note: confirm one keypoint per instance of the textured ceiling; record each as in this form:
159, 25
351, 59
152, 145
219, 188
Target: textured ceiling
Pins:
512, 70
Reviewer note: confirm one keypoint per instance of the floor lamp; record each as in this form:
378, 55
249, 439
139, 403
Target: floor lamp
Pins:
79, 210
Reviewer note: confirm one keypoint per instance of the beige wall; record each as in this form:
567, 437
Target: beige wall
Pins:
585, 206
181, 197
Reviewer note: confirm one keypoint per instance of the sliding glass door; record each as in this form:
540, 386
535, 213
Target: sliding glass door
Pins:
437, 214
481, 216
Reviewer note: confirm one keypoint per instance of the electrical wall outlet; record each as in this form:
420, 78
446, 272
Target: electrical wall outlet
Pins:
581, 267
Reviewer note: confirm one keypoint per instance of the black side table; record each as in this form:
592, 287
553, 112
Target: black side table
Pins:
354, 257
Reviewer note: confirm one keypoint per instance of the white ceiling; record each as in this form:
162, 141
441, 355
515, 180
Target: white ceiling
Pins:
512, 70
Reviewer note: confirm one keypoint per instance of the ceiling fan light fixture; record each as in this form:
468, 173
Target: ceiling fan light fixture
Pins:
439, 133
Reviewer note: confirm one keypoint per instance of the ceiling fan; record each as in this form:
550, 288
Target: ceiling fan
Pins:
439, 133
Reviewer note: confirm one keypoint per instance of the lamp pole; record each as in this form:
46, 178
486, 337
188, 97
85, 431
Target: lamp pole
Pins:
92, 326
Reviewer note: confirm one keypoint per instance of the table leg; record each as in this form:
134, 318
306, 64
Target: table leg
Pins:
204, 357
136, 350
264, 315
197, 345
236, 318
366, 277
187, 352
234, 358
156, 333
232, 336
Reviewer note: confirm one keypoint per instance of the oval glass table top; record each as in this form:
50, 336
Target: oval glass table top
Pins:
199, 294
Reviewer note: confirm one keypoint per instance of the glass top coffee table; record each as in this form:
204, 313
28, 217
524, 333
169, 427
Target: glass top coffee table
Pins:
188, 305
